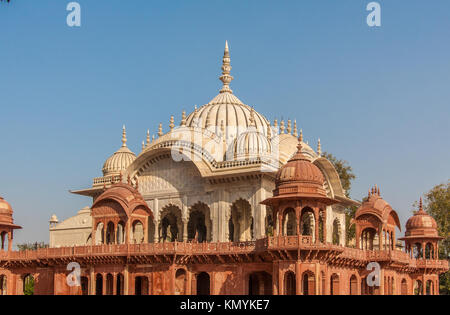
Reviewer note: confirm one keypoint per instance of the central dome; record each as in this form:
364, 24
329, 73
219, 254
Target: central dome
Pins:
226, 109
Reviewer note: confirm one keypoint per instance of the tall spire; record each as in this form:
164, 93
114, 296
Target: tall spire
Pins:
124, 136
226, 78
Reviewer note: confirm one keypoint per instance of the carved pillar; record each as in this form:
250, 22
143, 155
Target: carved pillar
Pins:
114, 284
298, 279
316, 224
185, 230
325, 226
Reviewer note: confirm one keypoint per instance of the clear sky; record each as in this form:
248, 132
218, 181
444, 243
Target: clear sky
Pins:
376, 97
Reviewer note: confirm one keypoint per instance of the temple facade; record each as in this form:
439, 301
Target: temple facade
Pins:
224, 203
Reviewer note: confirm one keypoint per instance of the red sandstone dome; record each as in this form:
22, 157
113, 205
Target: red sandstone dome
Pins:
126, 195
6, 212
377, 206
421, 224
299, 177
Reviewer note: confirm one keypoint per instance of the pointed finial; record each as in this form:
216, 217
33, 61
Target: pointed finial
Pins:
319, 148
226, 78
295, 129
153, 138
378, 191
160, 132
282, 126
172, 123
252, 117
368, 195
183, 118
124, 136
143, 145
421, 211
275, 123
148, 137
300, 138
289, 127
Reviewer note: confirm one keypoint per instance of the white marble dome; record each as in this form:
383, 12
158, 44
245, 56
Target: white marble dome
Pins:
120, 160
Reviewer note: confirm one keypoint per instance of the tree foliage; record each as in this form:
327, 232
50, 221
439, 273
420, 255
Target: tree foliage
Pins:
437, 204
346, 175
31, 246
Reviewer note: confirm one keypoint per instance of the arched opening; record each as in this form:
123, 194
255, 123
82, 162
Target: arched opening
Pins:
197, 227
119, 284
334, 285
84, 285
170, 227
180, 282
231, 229
289, 222
110, 233
418, 287
203, 284
269, 223
353, 285
307, 223
429, 287
429, 251
151, 230
321, 229
28, 284
417, 251
4, 236
336, 234
109, 284
199, 224
98, 284
241, 214
404, 287
308, 283
323, 286
260, 283
368, 239
99, 234
140, 285
120, 233
138, 232
3, 285
289, 283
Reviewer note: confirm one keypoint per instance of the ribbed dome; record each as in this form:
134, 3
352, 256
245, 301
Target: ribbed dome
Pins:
251, 143
120, 160
226, 109
6, 212
300, 169
421, 224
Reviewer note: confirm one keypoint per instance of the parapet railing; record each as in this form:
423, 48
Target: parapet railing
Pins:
224, 248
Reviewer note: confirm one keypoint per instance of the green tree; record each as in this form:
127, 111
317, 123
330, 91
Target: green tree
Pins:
28, 285
437, 204
31, 246
346, 176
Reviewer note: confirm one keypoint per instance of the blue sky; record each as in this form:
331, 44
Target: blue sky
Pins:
376, 97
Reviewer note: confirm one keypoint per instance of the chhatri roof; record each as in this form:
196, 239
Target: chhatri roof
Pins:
421, 225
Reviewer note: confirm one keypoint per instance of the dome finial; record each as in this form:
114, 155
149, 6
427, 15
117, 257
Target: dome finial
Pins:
300, 138
226, 78
252, 118
148, 137
124, 136
295, 129
319, 148
421, 211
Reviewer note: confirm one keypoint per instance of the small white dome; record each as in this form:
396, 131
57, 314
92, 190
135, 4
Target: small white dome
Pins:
54, 219
120, 160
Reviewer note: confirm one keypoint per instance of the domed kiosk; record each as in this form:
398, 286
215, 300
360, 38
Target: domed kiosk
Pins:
7, 225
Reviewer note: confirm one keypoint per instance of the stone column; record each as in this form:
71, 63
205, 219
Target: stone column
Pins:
316, 224
125, 280
114, 284
298, 278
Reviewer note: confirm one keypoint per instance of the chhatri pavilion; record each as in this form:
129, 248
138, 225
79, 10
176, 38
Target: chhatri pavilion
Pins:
226, 202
